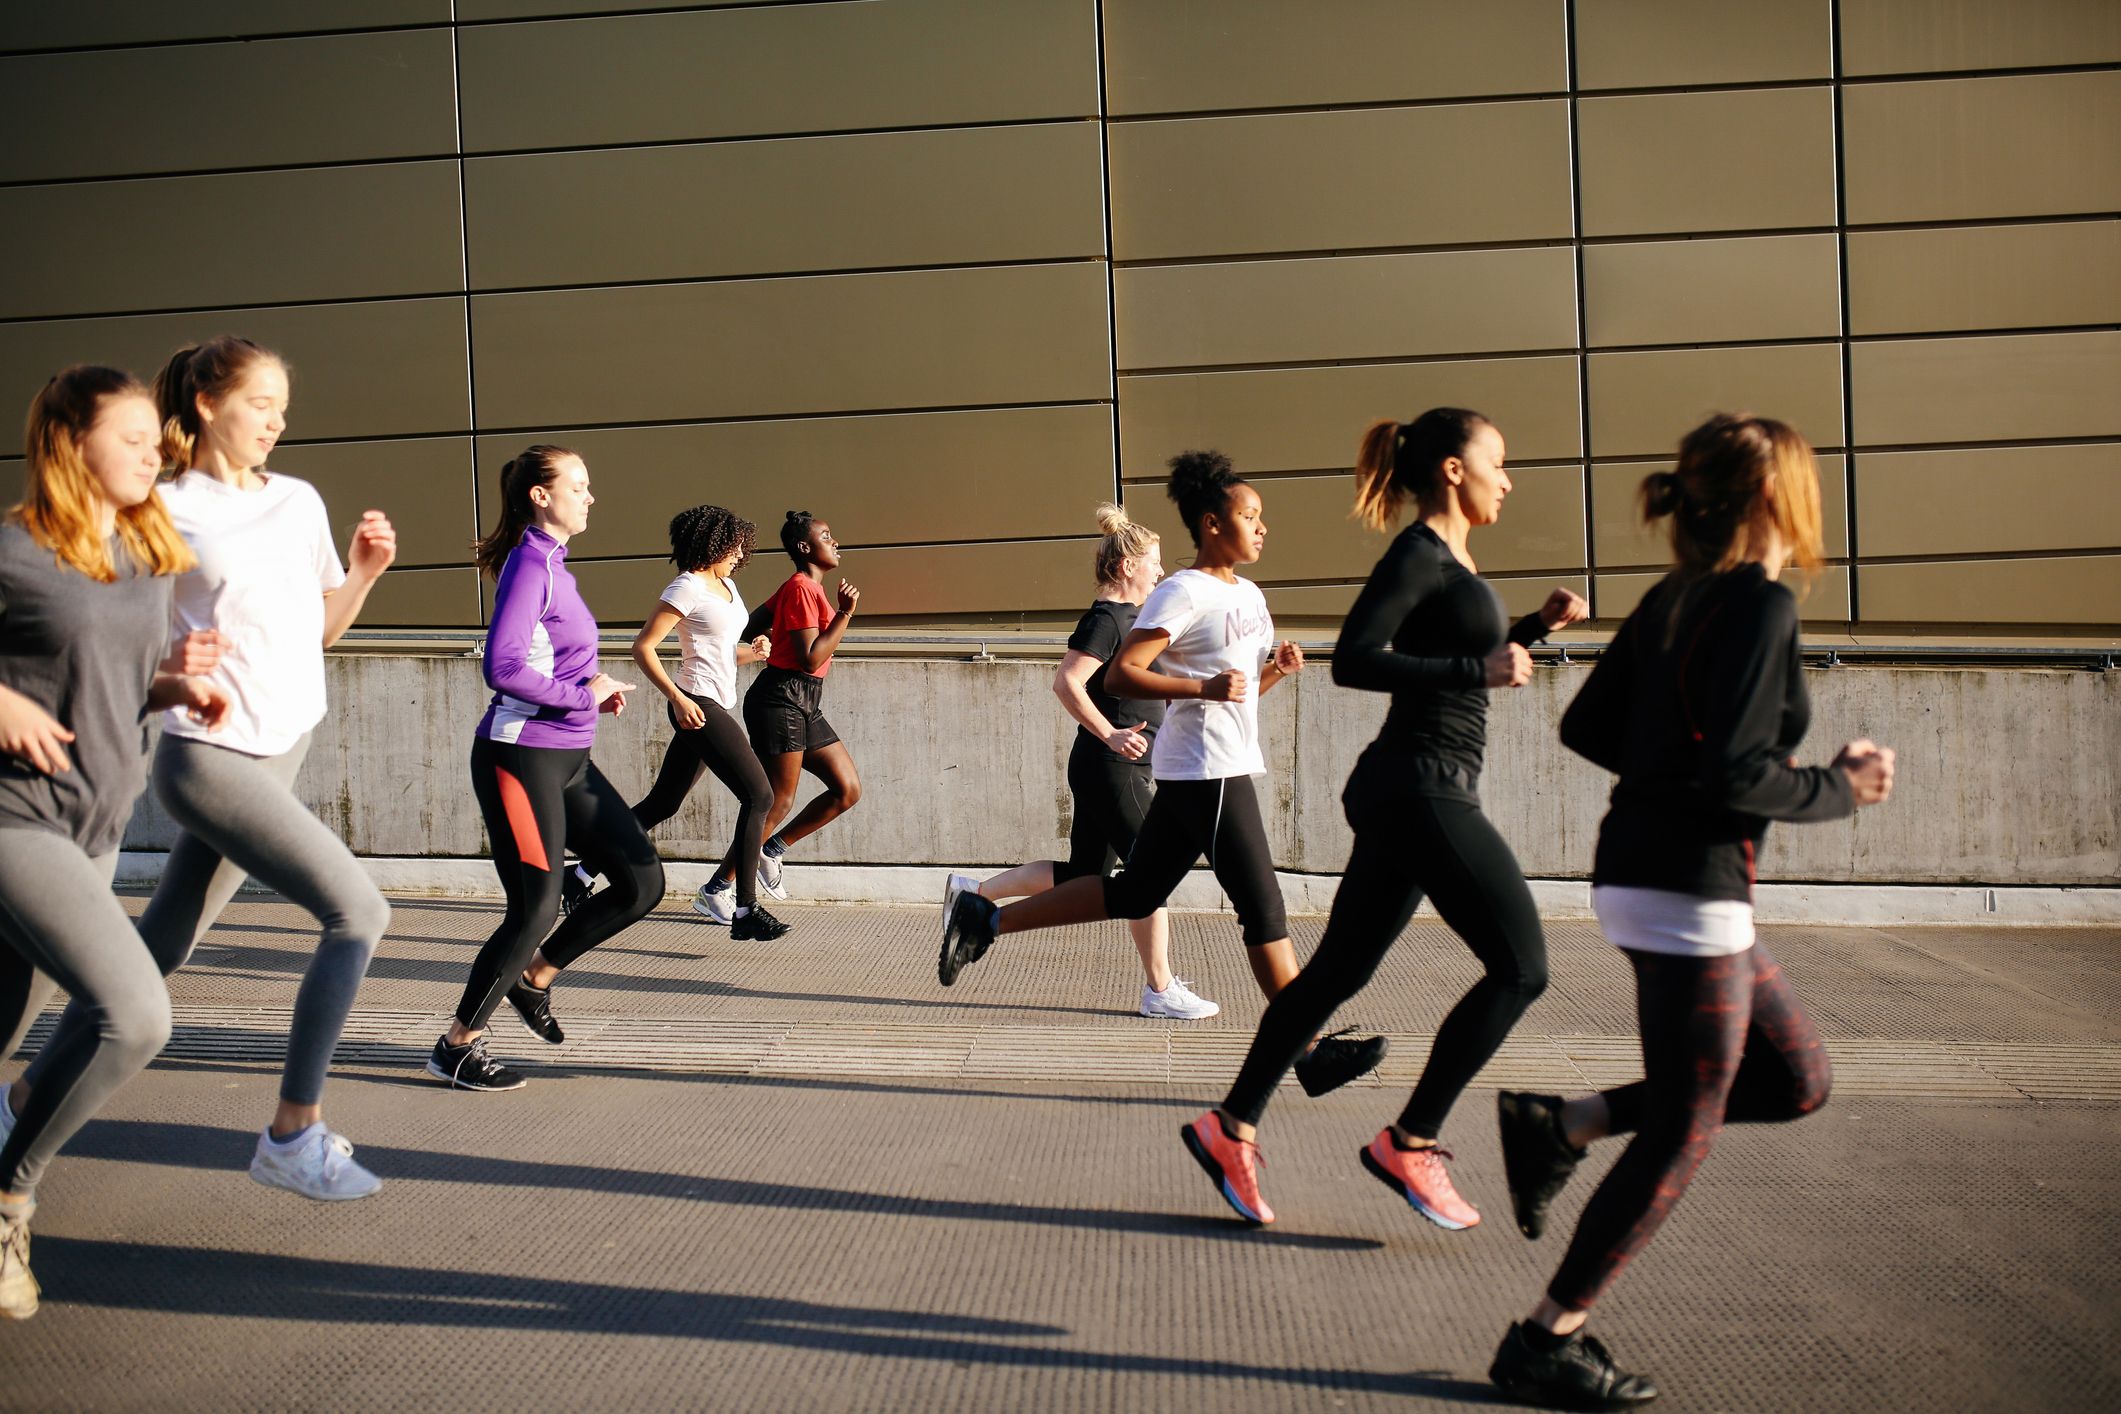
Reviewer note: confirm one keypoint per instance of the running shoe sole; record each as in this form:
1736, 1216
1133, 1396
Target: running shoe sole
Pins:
272, 1178
706, 910
1384, 1175
455, 1084
1214, 1170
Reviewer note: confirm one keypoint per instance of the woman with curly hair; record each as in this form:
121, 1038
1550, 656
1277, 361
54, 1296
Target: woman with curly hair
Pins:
709, 545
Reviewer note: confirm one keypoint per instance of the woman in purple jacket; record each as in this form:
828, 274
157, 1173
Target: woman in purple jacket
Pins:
531, 771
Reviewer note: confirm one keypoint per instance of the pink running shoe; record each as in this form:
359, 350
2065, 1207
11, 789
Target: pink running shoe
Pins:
1234, 1164
1418, 1175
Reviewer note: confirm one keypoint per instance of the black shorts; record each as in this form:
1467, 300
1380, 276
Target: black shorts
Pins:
1220, 819
1111, 797
781, 714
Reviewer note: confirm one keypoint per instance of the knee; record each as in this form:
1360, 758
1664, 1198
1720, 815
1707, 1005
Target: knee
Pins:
640, 885
849, 793
1527, 984
757, 798
369, 919
139, 1028
1123, 902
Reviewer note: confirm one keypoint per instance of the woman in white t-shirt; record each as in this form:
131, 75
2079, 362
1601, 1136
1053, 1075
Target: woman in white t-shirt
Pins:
1201, 641
269, 583
709, 545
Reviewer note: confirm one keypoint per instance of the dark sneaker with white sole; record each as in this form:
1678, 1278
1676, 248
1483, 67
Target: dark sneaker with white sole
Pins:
757, 926
1337, 1059
1576, 1374
534, 1005
470, 1068
1537, 1157
967, 936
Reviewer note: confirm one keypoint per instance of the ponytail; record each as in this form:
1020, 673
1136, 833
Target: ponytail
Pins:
533, 467
1124, 539
1403, 461
210, 370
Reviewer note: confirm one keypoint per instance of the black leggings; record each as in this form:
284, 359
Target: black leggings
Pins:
1112, 797
718, 745
1723, 1039
1186, 820
538, 801
1418, 829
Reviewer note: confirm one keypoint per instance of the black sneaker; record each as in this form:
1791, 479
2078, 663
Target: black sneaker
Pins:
1578, 1374
470, 1068
757, 925
966, 937
574, 892
534, 1005
1537, 1157
1334, 1061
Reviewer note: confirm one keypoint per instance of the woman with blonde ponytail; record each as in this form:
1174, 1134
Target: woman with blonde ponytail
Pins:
1109, 774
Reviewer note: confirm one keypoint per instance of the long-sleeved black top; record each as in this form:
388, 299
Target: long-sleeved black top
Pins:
1698, 718
1422, 629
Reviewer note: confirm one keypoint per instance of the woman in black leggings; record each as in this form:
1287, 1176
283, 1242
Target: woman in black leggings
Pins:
530, 769
709, 545
1697, 706
1427, 629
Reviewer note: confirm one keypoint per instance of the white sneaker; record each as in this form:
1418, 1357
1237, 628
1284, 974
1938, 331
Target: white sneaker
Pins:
18, 1289
716, 905
1178, 1002
316, 1164
953, 886
770, 879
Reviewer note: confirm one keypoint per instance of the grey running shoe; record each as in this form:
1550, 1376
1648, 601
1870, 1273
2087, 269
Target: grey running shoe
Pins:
317, 1164
770, 879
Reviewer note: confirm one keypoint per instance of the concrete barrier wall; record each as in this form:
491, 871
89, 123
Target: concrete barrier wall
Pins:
2006, 778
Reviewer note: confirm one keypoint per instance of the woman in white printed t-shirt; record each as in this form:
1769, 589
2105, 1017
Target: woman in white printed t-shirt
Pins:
270, 583
709, 545
1200, 642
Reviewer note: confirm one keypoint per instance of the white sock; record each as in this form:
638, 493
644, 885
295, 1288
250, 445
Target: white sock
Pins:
741, 910
584, 875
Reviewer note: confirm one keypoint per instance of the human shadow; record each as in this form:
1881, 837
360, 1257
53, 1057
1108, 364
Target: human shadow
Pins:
253, 1285
185, 1145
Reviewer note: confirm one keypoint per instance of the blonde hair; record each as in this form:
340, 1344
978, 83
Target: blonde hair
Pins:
1403, 461
1737, 476
211, 370
60, 504
1124, 539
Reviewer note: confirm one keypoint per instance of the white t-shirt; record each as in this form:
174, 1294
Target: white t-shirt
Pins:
1660, 920
1214, 626
709, 629
266, 562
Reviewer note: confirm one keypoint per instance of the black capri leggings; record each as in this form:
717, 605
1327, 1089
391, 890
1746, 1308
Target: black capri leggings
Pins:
1186, 820
1723, 1039
1418, 829
718, 745
538, 802
1112, 796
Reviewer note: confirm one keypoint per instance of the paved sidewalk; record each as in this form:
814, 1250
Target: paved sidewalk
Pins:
801, 1175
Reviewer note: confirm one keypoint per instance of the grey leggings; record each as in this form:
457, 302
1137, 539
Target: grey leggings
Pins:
240, 817
61, 925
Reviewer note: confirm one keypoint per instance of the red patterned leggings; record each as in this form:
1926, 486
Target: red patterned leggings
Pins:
1723, 1039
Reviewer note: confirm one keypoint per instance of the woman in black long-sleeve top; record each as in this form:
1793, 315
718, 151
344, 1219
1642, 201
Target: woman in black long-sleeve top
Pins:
1696, 705
1429, 631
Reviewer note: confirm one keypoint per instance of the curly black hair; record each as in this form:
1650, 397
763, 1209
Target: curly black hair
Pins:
1200, 486
705, 535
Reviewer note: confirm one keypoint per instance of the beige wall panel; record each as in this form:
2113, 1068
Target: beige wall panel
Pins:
360, 370
533, 9
1620, 538
423, 484
1365, 306
931, 338
902, 479
1966, 149
1309, 419
424, 599
55, 26
1827, 603
1753, 160
775, 69
2079, 590
124, 112
1285, 181
1978, 390
1643, 403
1985, 277
962, 196
1997, 499
1677, 292
12, 479
1666, 43
1319, 601
319, 233
1935, 36
1170, 56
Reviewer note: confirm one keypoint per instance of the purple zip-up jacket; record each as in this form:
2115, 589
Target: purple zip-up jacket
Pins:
541, 651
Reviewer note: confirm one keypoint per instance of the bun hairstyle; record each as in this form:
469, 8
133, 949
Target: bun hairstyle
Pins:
1403, 461
706, 535
1124, 539
795, 530
211, 371
60, 499
532, 467
1737, 475
1200, 486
